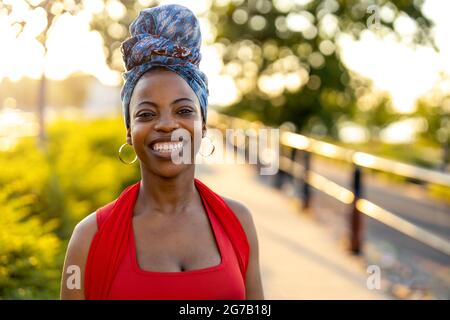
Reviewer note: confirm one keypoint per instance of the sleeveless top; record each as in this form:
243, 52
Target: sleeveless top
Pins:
224, 281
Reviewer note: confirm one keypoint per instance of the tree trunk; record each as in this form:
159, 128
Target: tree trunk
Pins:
41, 111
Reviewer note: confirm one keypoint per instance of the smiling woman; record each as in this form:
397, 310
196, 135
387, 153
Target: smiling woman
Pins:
152, 101
168, 236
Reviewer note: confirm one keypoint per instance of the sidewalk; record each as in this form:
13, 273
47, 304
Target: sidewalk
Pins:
299, 260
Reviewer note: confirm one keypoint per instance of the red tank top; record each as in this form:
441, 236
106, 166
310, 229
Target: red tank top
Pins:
220, 282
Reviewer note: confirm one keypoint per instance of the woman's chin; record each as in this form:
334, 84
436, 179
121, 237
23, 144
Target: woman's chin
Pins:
169, 172
164, 165
166, 169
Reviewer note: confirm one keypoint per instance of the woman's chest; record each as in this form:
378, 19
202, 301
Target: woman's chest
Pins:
177, 245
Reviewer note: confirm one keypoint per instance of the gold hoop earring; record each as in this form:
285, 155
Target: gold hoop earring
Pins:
120, 155
213, 148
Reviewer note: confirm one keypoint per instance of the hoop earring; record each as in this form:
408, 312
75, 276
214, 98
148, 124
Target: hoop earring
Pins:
213, 148
120, 155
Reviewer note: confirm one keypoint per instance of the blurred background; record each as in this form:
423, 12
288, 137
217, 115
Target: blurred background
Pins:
359, 89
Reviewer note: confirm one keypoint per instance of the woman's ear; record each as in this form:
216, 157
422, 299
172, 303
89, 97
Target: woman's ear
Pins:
204, 129
129, 140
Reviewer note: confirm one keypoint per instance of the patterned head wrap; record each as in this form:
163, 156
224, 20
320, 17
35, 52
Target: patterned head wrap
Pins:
167, 36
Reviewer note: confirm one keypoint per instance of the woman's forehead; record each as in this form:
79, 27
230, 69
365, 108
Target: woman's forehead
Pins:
162, 88
163, 83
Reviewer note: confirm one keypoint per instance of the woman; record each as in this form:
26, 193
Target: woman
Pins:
167, 236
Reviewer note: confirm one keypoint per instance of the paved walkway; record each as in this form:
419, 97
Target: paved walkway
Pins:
299, 260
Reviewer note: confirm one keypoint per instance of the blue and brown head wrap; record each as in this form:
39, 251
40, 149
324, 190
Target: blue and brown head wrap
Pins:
167, 36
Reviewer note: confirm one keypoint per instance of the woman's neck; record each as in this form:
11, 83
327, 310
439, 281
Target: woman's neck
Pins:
165, 195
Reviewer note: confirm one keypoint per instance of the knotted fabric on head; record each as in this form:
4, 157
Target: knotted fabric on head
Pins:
167, 36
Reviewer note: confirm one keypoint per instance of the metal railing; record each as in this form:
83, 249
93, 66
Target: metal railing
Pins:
295, 161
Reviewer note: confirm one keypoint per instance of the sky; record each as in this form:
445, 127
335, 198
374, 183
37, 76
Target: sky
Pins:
406, 73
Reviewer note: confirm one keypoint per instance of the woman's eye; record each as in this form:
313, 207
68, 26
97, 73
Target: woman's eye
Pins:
145, 115
185, 111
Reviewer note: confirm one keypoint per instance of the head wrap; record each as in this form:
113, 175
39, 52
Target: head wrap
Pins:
167, 36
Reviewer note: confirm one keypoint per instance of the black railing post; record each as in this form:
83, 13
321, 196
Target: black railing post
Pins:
247, 148
279, 178
306, 191
281, 174
355, 214
293, 157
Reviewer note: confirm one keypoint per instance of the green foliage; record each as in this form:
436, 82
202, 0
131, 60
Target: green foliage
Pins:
437, 114
43, 196
85, 167
28, 248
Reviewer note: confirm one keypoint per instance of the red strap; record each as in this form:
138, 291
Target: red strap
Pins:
103, 212
109, 245
230, 223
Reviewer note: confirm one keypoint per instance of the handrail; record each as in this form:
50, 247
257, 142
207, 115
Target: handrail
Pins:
363, 159
329, 150
358, 159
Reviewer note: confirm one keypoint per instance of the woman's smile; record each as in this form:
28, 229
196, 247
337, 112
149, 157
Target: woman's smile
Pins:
165, 150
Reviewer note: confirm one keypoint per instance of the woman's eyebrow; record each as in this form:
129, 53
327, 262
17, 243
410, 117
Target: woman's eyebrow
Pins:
181, 99
146, 102
156, 105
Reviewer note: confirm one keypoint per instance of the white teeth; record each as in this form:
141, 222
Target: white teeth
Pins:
167, 146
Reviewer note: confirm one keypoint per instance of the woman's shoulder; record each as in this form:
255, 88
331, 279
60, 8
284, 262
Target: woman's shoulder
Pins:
86, 228
84, 232
241, 211
245, 218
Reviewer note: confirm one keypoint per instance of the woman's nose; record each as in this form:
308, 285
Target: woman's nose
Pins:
166, 122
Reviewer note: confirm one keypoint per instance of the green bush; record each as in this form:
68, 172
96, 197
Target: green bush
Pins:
43, 196
28, 249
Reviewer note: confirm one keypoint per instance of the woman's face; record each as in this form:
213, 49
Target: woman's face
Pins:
161, 103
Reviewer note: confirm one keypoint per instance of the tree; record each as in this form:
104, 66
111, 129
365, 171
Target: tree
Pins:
53, 9
305, 34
